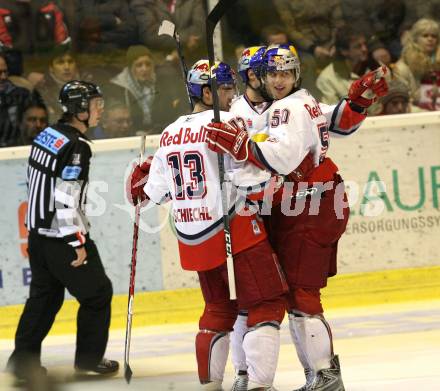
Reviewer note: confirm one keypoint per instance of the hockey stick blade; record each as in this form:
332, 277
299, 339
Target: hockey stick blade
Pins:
128, 374
167, 28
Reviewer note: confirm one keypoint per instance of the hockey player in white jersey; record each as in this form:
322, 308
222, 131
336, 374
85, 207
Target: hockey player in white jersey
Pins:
306, 242
254, 106
185, 172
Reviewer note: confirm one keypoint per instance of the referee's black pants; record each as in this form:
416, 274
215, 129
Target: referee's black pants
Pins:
50, 260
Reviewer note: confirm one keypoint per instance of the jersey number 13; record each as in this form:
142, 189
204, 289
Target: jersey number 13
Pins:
195, 187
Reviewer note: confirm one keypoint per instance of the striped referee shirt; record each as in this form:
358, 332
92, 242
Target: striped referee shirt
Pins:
57, 177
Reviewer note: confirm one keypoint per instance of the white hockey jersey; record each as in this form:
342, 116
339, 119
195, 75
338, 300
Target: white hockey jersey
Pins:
298, 124
186, 172
256, 117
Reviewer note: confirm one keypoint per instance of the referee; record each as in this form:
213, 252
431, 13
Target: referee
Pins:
61, 253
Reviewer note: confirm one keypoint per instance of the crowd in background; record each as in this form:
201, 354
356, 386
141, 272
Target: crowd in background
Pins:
114, 43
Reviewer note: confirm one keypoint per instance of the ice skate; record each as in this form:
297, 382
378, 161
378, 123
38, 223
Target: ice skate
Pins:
328, 379
241, 381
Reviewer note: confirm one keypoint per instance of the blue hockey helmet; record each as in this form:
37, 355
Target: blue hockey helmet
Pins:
281, 58
250, 59
198, 76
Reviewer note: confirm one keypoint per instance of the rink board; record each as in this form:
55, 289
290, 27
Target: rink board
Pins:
391, 165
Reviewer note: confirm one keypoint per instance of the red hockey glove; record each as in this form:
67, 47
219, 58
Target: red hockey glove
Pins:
226, 138
136, 182
374, 82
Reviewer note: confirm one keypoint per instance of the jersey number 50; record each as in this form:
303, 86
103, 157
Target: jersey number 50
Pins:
279, 117
195, 188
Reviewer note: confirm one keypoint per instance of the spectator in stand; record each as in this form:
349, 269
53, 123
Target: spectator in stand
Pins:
350, 63
116, 121
419, 64
13, 101
62, 67
136, 85
188, 16
311, 26
102, 25
32, 25
379, 53
35, 119
397, 100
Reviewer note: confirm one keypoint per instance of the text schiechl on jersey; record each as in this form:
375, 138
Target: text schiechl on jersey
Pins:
189, 215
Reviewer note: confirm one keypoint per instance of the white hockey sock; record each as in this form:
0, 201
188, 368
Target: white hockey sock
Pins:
299, 348
314, 339
262, 346
237, 352
219, 357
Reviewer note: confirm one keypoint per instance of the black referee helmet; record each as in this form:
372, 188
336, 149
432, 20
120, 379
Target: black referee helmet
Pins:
75, 96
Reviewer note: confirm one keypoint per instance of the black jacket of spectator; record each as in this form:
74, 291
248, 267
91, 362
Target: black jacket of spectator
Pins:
103, 24
13, 101
32, 26
188, 16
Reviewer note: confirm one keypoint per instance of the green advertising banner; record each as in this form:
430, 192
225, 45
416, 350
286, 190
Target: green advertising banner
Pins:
391, 167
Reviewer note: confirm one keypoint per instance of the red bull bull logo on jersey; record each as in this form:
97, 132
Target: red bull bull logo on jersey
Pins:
203, 67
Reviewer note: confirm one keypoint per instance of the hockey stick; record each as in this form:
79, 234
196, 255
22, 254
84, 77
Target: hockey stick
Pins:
168, 28
127, 370
211, 21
